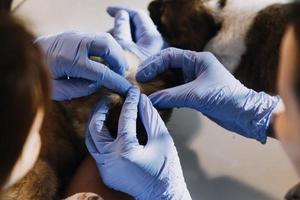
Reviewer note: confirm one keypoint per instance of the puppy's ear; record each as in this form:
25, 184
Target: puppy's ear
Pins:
156, 12
195, 29
192, 30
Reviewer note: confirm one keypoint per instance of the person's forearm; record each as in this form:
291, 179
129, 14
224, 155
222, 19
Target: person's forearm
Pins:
88, 179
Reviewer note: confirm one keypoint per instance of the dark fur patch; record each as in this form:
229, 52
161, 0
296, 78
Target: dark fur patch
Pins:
222, 3
259, 64
184, 24
40, 183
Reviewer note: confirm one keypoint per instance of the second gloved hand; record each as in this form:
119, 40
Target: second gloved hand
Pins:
136, 32
212, 90
144, 172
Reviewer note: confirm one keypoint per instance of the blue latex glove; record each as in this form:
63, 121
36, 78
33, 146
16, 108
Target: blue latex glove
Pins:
143, 39
212, 90
144, 172
74, 74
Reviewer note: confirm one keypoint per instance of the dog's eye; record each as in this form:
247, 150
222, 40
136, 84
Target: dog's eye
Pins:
222, 3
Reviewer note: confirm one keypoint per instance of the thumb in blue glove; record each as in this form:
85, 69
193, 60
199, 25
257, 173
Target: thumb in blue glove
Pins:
212, 90
145, 172
143, 39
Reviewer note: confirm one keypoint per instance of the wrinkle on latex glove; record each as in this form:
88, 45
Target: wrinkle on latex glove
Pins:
144, 39
145, 172
212, 90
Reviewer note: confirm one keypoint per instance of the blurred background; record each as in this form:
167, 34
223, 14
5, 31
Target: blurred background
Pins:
217, 164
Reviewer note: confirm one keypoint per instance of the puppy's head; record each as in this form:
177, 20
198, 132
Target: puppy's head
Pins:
186, 24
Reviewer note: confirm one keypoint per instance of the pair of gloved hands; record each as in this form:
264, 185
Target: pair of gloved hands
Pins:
152, 171
74, 74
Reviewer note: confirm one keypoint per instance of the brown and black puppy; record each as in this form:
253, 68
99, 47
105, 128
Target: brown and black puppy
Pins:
64, 124
244, 35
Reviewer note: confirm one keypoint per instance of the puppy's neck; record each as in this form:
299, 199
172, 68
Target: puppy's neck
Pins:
237, 17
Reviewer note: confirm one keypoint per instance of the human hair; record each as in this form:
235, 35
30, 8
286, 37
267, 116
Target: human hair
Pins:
294, 19
24, 89
5, 5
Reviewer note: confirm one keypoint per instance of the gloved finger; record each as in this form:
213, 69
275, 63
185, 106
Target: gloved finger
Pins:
122, 30
128, 116
109, 79
151, 119
175, 97
146, 34
99, 157
105, 46
67, 89
90, 144
170, 58
97, 129
143, 23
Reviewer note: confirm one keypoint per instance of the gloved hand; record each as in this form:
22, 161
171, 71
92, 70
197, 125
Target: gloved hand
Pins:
212, 90
74, 74
144, 172
143, 39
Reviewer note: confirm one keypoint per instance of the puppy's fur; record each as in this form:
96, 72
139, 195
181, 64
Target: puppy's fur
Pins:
244, 35
246, 42
63, 133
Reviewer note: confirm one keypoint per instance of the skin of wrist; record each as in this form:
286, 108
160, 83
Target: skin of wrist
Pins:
280, 108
